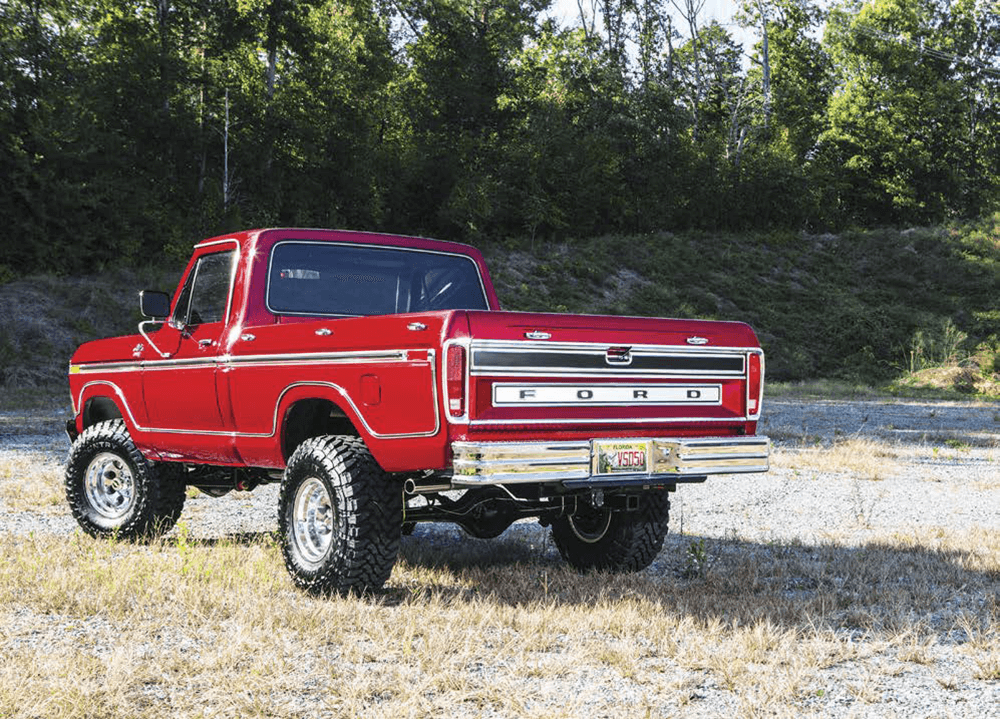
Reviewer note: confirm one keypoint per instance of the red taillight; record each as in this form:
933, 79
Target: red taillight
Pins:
755, 383
455, 380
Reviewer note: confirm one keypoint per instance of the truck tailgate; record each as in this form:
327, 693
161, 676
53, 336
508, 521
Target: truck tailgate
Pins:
613, 374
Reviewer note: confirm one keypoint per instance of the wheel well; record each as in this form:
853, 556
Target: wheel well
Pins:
99, 409
313, 418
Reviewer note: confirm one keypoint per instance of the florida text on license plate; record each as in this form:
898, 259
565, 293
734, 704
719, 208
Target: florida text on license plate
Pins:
626, 457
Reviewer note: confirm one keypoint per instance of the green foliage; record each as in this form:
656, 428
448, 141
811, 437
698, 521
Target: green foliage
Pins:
697, 560
907, 131
941, 344
129, 129
861, 307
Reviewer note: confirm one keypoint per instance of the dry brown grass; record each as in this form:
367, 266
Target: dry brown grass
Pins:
862, 457
186, 628
30, 480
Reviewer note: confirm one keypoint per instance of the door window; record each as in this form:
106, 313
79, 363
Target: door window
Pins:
206, 293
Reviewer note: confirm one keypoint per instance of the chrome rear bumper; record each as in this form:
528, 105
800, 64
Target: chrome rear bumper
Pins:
670, 460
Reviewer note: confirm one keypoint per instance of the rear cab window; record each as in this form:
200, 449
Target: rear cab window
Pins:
327, 279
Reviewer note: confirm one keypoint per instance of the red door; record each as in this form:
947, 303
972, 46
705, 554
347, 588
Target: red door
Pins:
180, 375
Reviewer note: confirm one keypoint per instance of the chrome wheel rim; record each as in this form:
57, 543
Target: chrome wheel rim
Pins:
312, 522
110, 486
590, 527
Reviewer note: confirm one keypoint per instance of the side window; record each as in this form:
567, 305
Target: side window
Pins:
206, 291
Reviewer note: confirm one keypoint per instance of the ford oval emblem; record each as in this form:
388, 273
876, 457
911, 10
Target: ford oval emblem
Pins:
697, 340
618, 355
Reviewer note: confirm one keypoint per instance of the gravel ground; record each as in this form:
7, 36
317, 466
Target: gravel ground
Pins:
946, 474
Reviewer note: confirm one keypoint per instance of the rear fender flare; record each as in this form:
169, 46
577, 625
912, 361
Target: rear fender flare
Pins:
327, 391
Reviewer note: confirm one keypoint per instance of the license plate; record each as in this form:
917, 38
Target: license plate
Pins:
627, 457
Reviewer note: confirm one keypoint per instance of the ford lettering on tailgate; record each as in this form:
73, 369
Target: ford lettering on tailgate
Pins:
555, 395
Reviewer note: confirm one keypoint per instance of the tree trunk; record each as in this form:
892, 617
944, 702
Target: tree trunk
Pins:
162, 14
225, 158
765, 64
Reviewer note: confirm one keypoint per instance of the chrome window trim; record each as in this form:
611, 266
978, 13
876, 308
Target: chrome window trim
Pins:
232, 277
270, 266
211, 243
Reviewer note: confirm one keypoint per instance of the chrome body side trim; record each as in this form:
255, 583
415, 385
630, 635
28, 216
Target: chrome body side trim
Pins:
318, 357
490, 463
399, 355
262, 359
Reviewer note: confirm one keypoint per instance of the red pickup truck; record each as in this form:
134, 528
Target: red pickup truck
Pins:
376, 378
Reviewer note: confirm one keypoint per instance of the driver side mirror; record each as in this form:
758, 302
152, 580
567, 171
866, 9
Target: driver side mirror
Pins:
154, 304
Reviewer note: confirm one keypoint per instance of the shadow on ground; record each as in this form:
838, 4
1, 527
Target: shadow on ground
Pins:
876, 586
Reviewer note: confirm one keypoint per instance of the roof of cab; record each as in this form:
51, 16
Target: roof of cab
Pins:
354, 236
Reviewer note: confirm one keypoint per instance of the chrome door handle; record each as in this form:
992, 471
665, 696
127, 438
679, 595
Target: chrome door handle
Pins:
204, 343
248, 337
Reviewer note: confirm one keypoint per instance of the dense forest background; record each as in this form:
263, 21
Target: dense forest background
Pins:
132, 126
840, 172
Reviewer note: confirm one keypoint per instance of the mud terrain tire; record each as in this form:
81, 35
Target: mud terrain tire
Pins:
114, 491
614, 541
340, 517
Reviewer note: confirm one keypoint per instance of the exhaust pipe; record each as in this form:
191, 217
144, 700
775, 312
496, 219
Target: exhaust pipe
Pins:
411, 487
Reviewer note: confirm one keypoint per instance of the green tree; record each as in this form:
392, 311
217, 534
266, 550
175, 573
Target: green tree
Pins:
898, 148
462, 62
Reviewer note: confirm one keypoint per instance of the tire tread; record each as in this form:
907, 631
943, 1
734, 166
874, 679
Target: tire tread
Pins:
631, 543
159, 486
372, 515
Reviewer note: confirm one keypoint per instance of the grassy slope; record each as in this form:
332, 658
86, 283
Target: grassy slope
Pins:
43, 319
861, 306
853, 306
